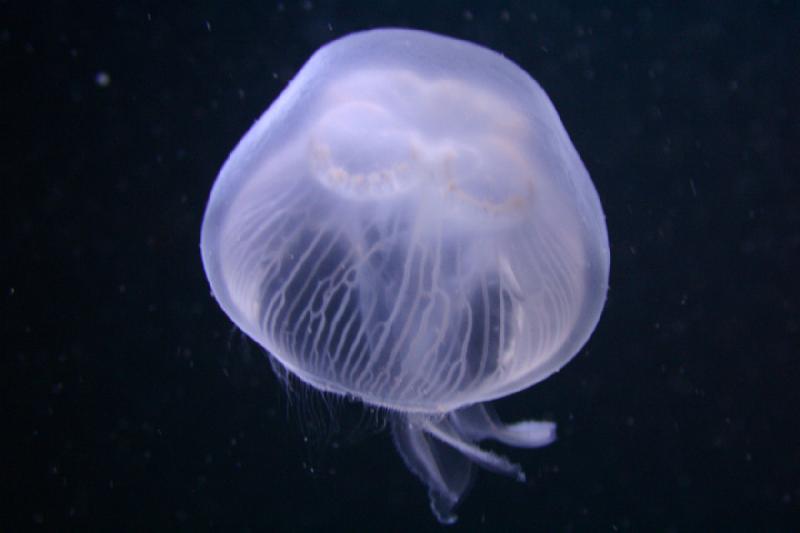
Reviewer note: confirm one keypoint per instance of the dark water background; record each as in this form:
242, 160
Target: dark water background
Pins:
130, 404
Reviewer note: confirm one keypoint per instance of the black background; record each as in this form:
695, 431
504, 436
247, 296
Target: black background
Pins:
131, 403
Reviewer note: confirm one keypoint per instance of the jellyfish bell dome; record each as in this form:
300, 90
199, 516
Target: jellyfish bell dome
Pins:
409, 224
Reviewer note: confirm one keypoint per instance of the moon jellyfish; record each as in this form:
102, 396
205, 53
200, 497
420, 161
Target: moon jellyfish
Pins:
410, 225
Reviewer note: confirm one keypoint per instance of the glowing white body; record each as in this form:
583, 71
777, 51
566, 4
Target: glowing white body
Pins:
409, 224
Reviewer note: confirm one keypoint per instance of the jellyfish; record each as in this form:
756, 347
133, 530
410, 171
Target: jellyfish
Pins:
409, 225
